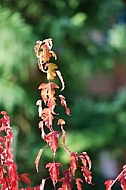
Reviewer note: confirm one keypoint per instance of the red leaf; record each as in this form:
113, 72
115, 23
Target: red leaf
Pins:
122, 178
51, 104
108, 184
66, 185
44, 91
38, 158
6, 117
47, 117
73, 162
87, 174
54, 171
24, 177
52, 140
64, 104
37, 46
44, 55
51, 89
47, 90
86, 161
123, 183
78, 183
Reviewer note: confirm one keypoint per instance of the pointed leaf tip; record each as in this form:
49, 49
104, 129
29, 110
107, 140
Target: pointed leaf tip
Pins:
61, 79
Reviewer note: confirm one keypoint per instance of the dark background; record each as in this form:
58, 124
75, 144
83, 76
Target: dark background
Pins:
89, 39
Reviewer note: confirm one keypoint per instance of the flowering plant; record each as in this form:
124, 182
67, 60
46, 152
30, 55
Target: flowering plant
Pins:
46, 109
9, 177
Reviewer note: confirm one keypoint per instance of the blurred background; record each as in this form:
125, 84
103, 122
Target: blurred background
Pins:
89, 39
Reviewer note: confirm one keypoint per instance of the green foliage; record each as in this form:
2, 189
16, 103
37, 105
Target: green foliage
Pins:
105, 117
89, 37
16, 57
117, 38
